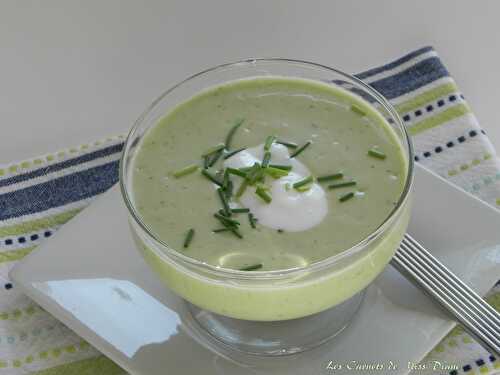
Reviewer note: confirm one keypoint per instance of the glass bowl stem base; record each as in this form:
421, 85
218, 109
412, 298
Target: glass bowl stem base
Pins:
277, 338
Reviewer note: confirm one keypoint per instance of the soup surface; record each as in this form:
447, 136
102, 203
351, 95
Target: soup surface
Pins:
268, 173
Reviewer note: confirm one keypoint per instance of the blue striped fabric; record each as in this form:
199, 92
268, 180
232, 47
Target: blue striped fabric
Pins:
411, 79
371, 72
62, 165
59, 191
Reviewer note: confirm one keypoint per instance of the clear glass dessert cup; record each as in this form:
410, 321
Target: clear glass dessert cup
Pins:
281, 311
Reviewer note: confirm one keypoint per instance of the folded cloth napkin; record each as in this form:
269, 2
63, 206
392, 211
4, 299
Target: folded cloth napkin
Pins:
39, 195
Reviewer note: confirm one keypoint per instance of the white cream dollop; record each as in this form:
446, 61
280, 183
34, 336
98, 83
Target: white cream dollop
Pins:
289, 209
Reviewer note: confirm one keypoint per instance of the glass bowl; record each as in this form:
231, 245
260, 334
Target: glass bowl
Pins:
281, 311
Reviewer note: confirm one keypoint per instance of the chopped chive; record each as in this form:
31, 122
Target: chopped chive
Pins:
269, 142
357, 110
252, 220
280, 230
262, 186
215, 157
240, 210
211, 177
266, 160
252, 267
279, 166
236, 232
376, 154
242, 188
223, 199
206, 159
342, 184
263, 195
246, 169
287, 186
237, 172
225, 220
230, 135
287, 144
335, 176
228, 155
302, 148
303, 182
346, 196
275, 172
228, 190
189, 237
254, 174
218, 230
225, 180
185, 171
228, 229
214, 149
302, 189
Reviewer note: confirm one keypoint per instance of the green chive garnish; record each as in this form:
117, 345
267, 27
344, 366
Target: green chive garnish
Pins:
186, 170
357, 110
252, 220
275, 172
303, 182
266, 160
228, 155
288, 144
279, 166
230, 135
236, 232
206, 160
342, 184
237, 172
252, 267
223, 199
218, 230
189, 237
211, 177
233, 229
215, 157
242, 188
246, 169
254, 174
214, 149
225, 179
376, 154
269, 142
302, 148
346, 196
228, 189
335, 176
225, 220
240, 210
263, 195
302, 189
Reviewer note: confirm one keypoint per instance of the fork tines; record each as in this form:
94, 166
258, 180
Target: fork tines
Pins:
428, 273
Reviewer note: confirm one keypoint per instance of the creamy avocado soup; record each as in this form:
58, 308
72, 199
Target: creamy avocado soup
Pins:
267, 174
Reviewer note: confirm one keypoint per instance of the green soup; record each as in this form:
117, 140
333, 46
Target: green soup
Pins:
347, 139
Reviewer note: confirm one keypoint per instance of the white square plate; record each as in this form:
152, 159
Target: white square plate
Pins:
91, 277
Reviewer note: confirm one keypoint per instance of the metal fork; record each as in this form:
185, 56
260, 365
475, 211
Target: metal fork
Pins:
477, 317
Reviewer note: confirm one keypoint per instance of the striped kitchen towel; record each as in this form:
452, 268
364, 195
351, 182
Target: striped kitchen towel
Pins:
39, 195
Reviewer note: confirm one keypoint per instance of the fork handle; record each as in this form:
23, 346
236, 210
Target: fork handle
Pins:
426, 272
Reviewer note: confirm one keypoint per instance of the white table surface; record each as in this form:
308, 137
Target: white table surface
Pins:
75, 71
